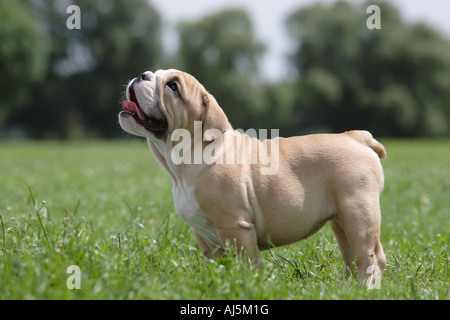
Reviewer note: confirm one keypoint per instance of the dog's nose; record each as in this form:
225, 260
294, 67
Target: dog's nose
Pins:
145, 76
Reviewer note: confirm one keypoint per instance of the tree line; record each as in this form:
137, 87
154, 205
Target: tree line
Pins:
62, 83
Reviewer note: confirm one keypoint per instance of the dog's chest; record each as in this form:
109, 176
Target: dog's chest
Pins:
189, 210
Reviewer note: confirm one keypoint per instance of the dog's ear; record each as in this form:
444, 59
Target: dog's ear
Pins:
213, 116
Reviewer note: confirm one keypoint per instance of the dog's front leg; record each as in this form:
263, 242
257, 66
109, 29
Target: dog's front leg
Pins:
243, 238
208, 249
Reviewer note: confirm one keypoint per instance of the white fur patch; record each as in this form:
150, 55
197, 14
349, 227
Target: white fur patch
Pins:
189, 210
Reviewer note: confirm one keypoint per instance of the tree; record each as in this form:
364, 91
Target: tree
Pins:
392, 81
23, 55
221, 51
89, 67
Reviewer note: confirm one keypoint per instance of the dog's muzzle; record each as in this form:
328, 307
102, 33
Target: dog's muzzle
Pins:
131, 108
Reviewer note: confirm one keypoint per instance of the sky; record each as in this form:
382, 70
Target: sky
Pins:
268, 18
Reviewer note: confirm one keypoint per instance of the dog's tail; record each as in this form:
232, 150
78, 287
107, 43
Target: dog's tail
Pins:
365, 137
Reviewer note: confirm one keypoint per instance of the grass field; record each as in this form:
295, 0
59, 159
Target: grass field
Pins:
107, 208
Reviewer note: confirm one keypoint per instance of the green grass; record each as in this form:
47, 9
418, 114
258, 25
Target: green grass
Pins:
107, 207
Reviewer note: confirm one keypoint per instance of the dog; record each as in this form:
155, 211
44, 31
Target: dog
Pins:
320, 178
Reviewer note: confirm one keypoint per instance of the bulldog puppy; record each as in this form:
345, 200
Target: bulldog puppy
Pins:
316, 179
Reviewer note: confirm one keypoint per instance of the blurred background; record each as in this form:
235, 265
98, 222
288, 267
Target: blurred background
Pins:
299, 66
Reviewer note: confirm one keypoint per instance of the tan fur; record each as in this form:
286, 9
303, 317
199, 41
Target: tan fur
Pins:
321, 178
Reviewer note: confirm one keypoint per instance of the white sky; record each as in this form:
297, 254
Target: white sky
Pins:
268, 19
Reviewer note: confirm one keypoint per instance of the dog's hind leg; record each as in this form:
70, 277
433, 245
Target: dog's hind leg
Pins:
344, 247
360, 219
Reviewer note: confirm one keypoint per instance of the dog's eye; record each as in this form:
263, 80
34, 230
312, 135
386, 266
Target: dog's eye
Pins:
173, 86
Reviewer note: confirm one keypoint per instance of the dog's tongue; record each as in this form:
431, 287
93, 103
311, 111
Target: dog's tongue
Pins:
130, 106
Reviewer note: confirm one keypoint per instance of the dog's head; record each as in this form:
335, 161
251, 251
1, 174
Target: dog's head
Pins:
160, 102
